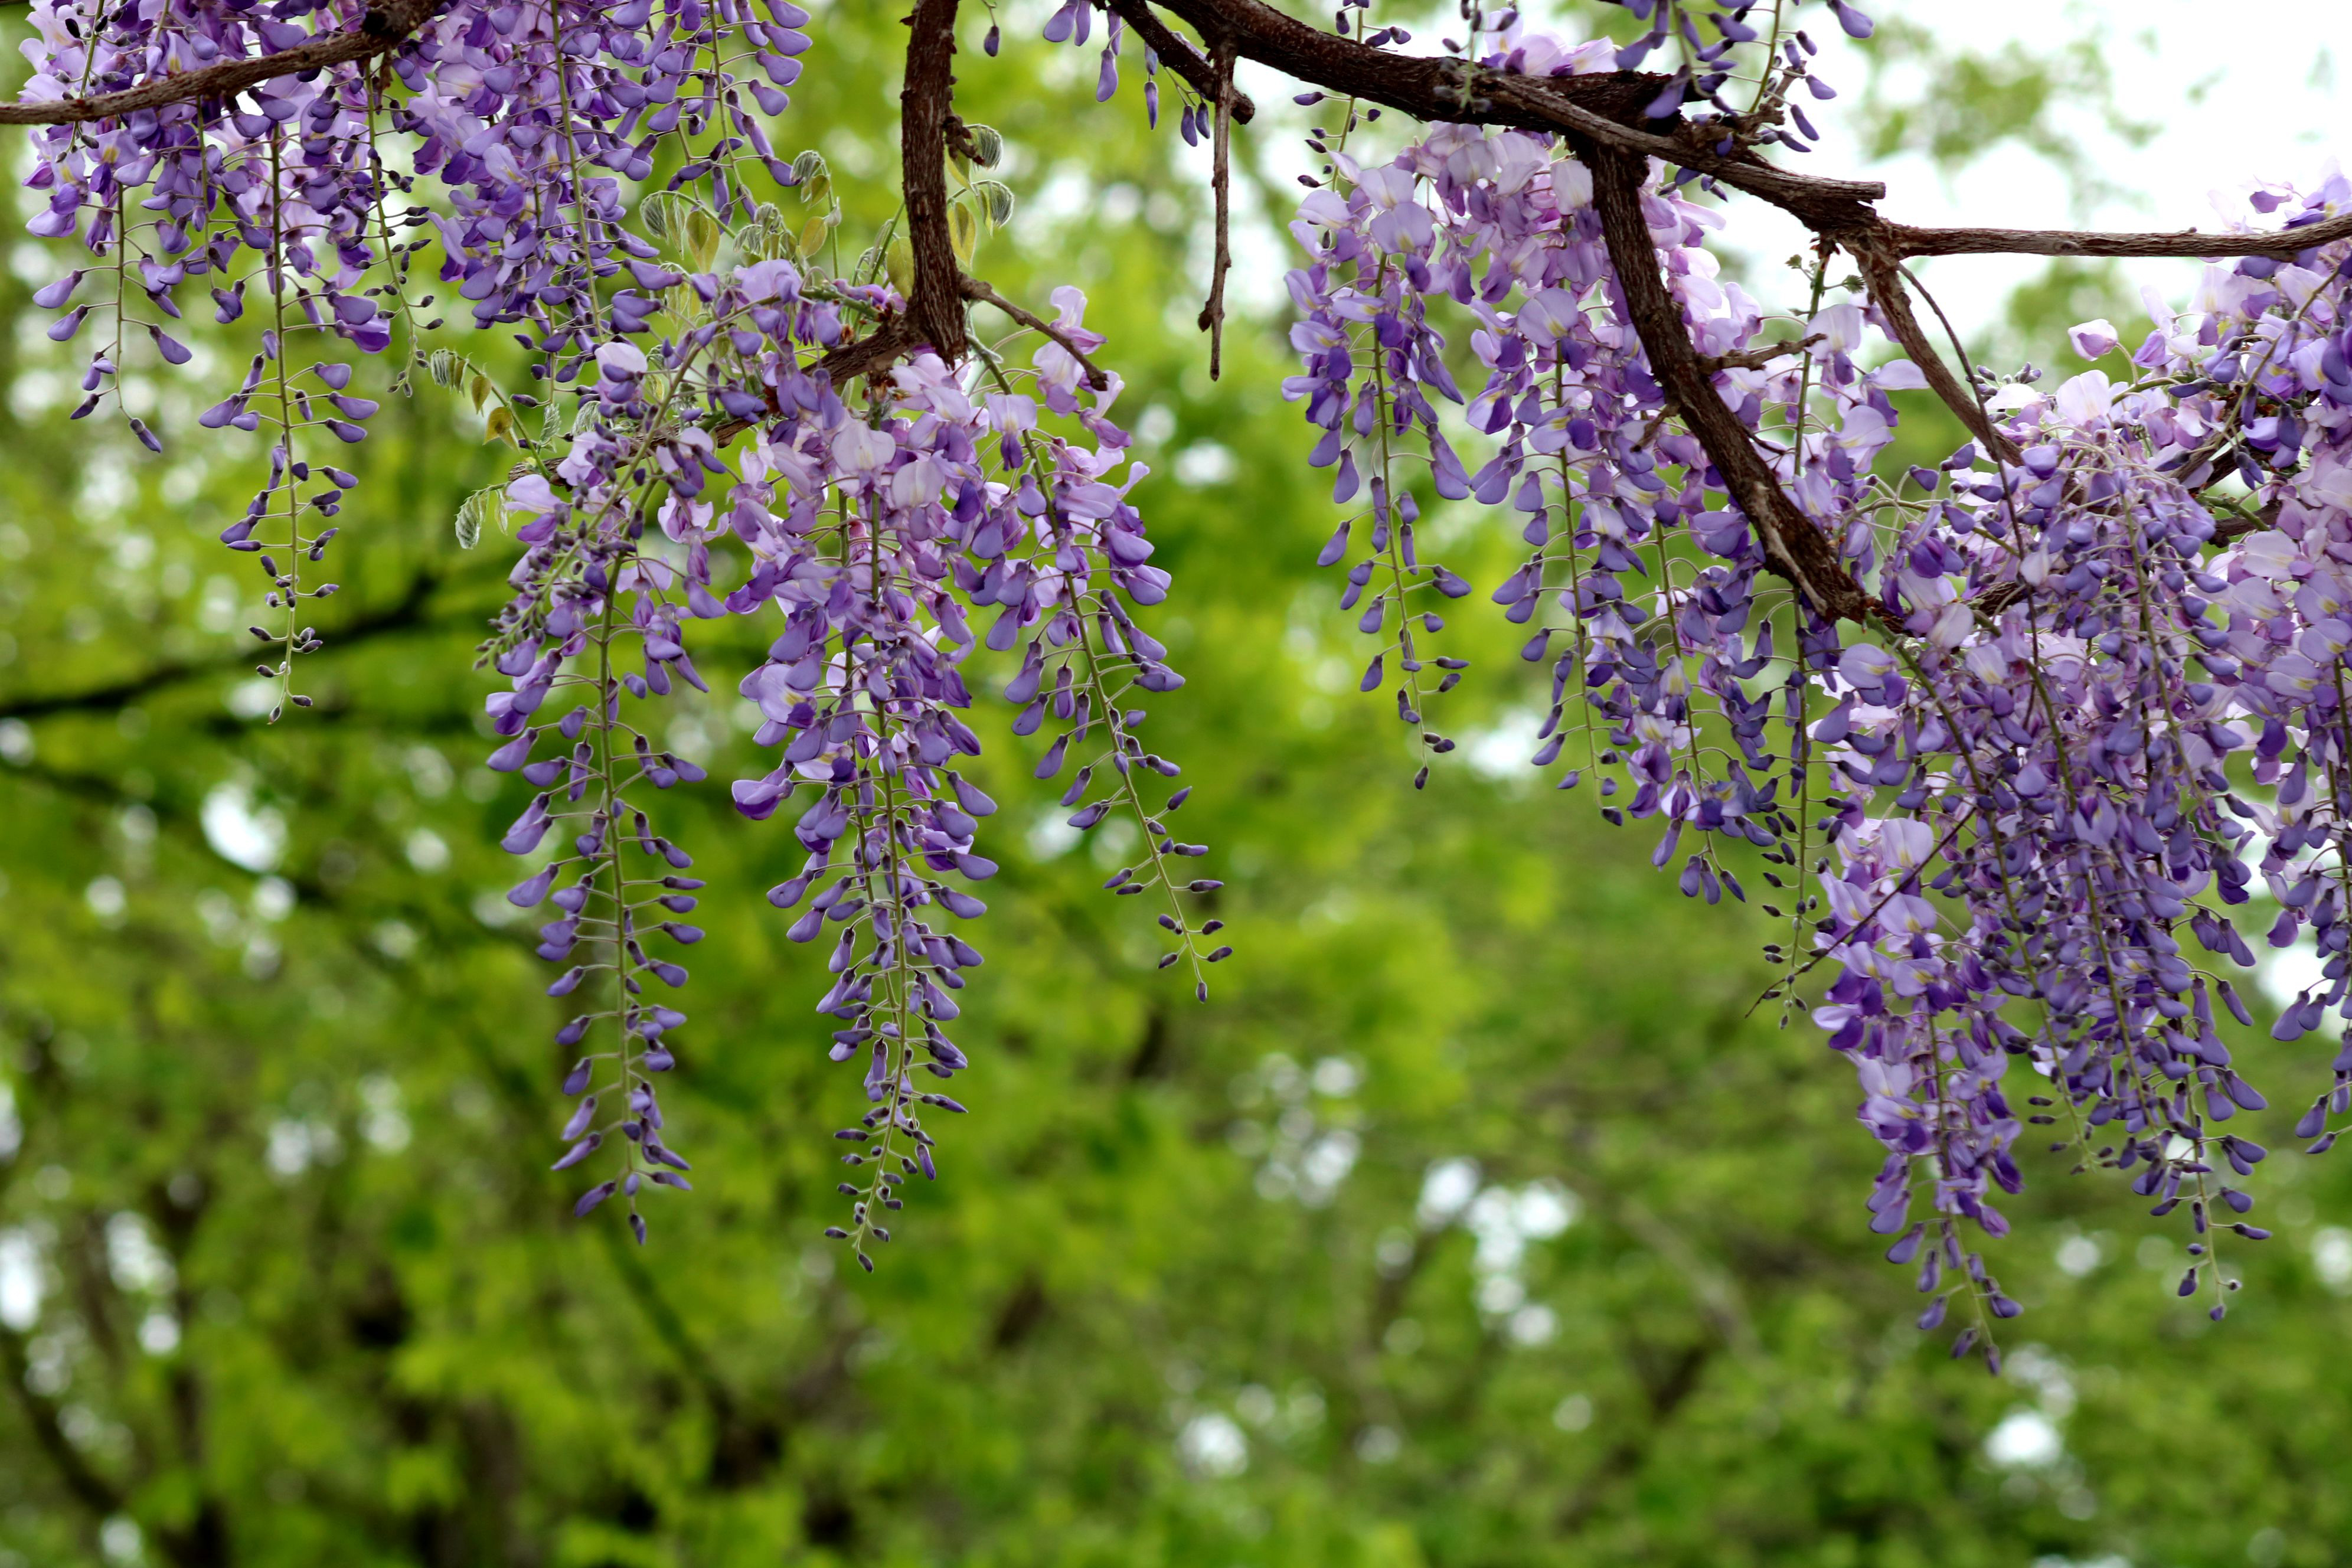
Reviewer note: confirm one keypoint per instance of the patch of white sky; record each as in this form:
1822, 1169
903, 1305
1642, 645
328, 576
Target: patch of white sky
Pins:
2231, 106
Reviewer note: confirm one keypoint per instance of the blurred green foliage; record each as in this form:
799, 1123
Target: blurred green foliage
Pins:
1476, 1220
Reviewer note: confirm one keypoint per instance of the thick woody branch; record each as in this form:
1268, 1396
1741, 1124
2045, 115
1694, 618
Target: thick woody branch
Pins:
894, 339
383, 28
936, 308
1884, 276
44, 1415
1794, 546
405, 613
1608, 109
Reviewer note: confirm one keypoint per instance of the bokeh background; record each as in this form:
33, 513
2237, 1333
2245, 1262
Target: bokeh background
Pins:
1478, 1218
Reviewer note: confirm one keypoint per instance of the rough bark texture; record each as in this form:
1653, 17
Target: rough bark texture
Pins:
937, 306
382, 30
2184, 243
1794, 546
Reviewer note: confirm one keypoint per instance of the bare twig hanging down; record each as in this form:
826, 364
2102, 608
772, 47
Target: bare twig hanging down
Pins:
973, 289
382, 30
1213, 314
1179, 56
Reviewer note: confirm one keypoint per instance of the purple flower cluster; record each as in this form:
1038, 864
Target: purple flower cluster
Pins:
877, 518
879, 534
2010, 785
289, 171
877, 524
2093, 703
530, 117
1702, 41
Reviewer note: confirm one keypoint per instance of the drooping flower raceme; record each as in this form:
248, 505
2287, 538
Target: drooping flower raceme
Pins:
875, 534
2000, 808
2013, 792
685, 456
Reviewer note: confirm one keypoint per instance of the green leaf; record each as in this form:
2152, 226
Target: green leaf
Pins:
812, 178
447, 367
483, 505
997, 197
702, 236
657, 211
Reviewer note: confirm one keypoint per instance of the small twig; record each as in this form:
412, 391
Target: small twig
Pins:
1213, 314
2241, 522
973, 289
1883, 274
895, 337
1756, 358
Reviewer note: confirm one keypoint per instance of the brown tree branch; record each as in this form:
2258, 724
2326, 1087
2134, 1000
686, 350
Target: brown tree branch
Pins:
405, 613
1605, 120
973, 289
1757, 357
383, 28
1602, 116
2187, 243
936, 307
893, 339
43, 1413
1883, 273
1221, 143
1609, 109
1794, 546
